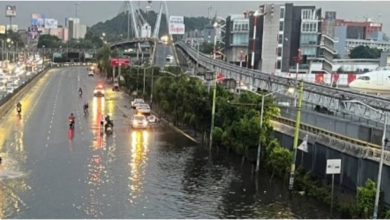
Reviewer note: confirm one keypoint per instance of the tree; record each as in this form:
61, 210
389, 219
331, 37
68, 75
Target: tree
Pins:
366, 198
49, 41
361, 52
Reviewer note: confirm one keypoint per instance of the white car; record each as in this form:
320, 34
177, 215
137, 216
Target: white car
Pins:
99, 91
169, 58
90, 73
136, 102
10, 89
152, 119
143, 109
139, 121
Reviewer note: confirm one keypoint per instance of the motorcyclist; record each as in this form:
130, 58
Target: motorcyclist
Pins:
18, 107
80, 92
85, 108
108, 121
71, 120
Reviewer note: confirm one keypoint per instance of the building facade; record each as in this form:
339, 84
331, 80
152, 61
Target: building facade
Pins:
75, 29
236, 38
281, 31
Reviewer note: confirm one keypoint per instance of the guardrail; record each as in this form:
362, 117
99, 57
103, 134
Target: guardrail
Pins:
313, 93
317, 131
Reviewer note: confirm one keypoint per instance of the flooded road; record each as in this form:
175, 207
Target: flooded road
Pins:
49, 171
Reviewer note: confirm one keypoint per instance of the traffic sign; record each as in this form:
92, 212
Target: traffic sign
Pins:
120, 62
333, 166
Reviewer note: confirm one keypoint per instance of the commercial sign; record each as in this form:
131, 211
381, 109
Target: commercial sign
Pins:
176, 19
10, 11
38, 20
120, 62
176, 28
51, 23
333, 166
2, 29
176, 25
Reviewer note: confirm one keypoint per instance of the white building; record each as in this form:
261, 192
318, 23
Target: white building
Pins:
75, 29
352, 43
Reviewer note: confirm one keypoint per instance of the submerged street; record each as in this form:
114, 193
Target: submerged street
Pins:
48, 171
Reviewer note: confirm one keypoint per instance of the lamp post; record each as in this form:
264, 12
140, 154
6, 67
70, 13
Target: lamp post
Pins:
254, 39
143, 91
214, 89
8, 46
378, 185
261, 125
296, 136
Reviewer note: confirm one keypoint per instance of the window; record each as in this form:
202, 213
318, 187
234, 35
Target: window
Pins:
280, 39
281, 26
306, 14
278, 65
279, 51
365, 78
281, 12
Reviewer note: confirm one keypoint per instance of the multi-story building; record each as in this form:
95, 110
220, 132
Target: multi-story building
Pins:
281, 30
327, 45
350, 34
75, 29
60, 32
352, 43
359, 29
236, 38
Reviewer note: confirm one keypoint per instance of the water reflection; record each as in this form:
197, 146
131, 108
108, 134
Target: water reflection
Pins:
12, 177
97, 114
98, 175
139, 150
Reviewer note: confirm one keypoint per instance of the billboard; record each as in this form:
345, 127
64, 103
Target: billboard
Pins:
38, 20
10, 11
51, 23
2, 29
33, 32
176, 19
13, 27
176, 28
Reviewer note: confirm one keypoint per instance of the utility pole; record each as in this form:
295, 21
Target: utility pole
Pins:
296, 136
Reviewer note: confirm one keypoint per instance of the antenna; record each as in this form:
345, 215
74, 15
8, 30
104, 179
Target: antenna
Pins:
75, 9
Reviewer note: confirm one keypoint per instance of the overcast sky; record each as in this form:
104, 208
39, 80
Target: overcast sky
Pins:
93, 12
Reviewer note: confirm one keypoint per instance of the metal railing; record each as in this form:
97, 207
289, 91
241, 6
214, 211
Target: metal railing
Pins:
316, 94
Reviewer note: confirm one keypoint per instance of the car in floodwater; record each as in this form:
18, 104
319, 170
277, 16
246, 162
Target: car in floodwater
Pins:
139, 121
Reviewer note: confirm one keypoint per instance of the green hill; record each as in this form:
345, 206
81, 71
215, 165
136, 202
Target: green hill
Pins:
116, 28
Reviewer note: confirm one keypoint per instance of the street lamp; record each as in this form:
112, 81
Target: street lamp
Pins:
261, 124
378, 186
296, 136
214, 89
256, 14
143, 91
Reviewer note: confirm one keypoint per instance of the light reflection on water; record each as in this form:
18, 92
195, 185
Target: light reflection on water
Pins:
138, 161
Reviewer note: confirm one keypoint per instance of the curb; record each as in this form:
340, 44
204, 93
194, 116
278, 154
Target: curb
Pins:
177, 129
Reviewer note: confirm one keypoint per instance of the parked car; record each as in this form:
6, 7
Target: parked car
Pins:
152, 119
139, 121
136, 102
143, 109
169, 58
